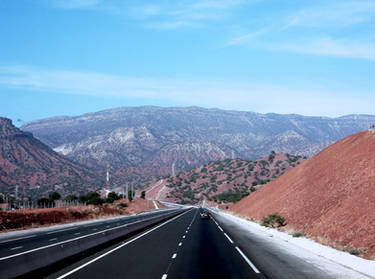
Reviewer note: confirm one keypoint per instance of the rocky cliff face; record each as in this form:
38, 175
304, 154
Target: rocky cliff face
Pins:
156, 138
25, 161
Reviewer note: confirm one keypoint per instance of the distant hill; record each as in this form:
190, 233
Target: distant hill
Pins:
224, 181
329, 196
25, 161
143, 142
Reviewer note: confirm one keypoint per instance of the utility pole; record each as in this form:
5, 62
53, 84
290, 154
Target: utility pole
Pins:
107, 178
173, 172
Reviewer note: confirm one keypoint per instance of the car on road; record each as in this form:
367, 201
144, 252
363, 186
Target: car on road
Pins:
205, 215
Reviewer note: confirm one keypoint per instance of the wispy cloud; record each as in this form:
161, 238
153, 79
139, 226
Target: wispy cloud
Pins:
337, 14
329, 28
323, 46
331, 47
160, 15
223, 94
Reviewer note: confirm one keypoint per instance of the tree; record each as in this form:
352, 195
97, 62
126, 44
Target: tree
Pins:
92, 198
143, 194
112, 196
54, 196
130, 195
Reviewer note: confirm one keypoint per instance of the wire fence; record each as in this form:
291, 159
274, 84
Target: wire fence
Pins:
17, 205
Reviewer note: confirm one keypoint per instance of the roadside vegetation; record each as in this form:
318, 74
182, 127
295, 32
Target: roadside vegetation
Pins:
273, 220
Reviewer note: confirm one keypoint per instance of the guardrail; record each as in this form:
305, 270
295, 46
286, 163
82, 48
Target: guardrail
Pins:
32, 260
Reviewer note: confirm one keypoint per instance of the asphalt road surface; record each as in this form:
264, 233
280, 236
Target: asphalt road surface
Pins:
21, 243
185, 246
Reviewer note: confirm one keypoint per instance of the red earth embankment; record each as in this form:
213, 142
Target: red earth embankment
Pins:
34, 218
331, 196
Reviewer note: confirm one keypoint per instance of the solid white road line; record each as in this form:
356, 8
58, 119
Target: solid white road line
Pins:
247, 260
119, 247
231, 241
164, 276
220, 228
14, 239
174, 256
15, 248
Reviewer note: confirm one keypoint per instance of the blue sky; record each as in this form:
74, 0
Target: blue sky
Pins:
67, 57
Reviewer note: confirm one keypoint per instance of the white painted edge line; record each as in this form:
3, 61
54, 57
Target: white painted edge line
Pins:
69, 240
9, 240
118, 247
230, 240
247, 260
174, 256
164, 276
220, 228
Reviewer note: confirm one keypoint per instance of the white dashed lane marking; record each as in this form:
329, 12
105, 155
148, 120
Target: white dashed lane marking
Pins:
247, 260
227, 236
174, 256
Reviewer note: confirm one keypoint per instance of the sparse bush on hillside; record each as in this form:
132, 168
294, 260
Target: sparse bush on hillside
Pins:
230, 196
273, 220
298, 234
213, 178
352, 251
203, 170
122, 205
271, 157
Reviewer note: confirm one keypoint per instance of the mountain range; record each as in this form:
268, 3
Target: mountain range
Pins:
26, 161
144, 142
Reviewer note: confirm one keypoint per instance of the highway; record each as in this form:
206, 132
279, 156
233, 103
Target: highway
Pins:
185, 246
11, 246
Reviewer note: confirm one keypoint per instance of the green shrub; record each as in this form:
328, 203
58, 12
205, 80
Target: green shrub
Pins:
298, 234
122, 205
273, 220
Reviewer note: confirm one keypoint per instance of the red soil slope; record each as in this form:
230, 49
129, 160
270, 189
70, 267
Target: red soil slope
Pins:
330, 196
